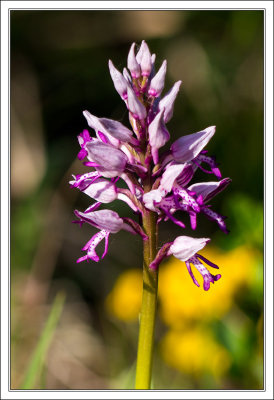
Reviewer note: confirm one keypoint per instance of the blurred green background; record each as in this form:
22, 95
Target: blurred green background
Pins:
59, 67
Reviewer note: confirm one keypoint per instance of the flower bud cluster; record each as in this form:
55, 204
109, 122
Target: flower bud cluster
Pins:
153, 181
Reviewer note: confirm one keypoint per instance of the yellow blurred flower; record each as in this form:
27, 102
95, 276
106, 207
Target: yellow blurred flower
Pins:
124, 301
193, 351
181, 299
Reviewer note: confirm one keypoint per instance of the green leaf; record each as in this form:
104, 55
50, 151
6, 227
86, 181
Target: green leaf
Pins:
34, 370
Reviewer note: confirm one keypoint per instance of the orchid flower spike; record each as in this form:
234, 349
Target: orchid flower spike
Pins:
159, 183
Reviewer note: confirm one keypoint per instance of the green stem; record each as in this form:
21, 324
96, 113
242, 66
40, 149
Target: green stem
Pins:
149, 303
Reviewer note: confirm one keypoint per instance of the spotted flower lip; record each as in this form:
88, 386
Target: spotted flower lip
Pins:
207, 276
91, 245
158, 180
83, 181
202, 158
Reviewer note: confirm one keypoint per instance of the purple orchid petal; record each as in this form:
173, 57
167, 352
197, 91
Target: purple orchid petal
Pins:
128, 153
152, 72
169, 203
129, 182
189, 146
127, 76
211, 162
216, 217
143, 58
139, 169
102, 137
91, 164
152, 197
93, 207
211, 264
102, 219
137, 109
82, 154
184, 247
158, 135
106, 246
132, 63
210, 189
200, 200
122, 196
83, 138
158, 81
170, 175
139, 53
102, 190
185, 207
116, 129
191, 273
198, 165
111, 161
193, 219
109, 127
187, 174
187, 198
119, 81
171, 217
217, 172
167, 102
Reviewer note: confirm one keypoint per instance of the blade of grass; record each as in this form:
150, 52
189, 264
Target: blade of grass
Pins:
34, 369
